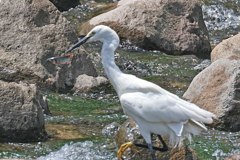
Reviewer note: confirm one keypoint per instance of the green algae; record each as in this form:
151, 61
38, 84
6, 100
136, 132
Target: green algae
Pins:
68, 108
73, 105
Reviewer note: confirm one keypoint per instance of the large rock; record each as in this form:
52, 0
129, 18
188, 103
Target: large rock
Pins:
32, 31
129, 132
217, 89
21, 116
230, 46
175, 27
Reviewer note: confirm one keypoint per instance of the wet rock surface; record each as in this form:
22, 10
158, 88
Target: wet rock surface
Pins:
31, 32
129, 132
21, 113
72, 131
216, 89
174, 27
111, 129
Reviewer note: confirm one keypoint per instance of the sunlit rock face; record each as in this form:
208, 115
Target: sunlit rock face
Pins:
33, 31
129, 132
21, 113
216, 89
175, 27
230, 46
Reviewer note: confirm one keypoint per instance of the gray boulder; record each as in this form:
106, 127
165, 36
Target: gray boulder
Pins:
21, 116
217, 89
175, 27
129, 132
32, 31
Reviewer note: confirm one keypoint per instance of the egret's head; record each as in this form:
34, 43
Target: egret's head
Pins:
99, 33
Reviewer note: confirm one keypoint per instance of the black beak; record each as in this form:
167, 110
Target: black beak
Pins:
79, 43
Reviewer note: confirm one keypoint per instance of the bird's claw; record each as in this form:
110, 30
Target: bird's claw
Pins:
123, 148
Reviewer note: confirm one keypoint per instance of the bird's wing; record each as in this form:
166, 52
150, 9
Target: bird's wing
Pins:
136, 85
155, 107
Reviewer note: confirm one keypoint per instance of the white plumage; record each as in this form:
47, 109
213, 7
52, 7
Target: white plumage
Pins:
157, 111
154, 109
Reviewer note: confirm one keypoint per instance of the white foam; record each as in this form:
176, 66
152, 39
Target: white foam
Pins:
80, 151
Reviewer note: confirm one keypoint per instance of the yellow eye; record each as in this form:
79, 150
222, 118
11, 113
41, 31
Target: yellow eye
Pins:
92, 34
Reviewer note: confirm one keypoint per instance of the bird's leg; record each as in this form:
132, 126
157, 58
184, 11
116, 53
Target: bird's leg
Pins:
152, 151
124, 147
146, 146
164, 148
130, 145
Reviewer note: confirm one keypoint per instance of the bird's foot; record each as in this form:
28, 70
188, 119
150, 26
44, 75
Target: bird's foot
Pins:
124, 147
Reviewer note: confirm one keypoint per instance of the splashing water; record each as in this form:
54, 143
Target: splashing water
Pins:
219, 17
222, 19
80, 151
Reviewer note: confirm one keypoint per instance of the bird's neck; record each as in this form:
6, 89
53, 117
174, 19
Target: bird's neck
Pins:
114, 74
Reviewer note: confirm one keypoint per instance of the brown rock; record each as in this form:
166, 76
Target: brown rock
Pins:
175, 27
217, 89
233, 157
21, 116
129, 132
230, 46
32, 31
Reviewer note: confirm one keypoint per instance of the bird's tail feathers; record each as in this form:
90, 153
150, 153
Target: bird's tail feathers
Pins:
177, 141
190, 129
198, 113
191, 106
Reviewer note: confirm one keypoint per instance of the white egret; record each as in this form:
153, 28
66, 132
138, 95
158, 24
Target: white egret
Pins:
155, 110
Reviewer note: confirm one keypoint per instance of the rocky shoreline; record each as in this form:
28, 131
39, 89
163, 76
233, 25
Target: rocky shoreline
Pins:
33, 31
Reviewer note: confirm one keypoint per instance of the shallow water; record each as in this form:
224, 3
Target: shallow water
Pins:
87, 150
222, 18
216, 144
77, 124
